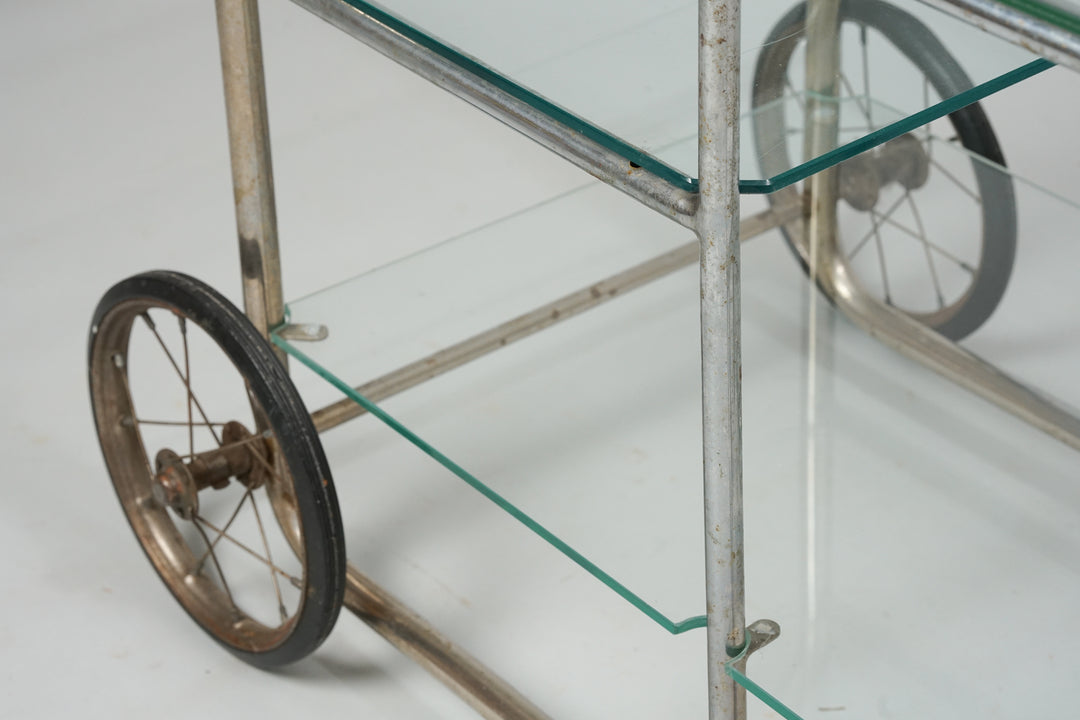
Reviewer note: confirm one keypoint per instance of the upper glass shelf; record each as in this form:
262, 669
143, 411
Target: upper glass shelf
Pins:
625, 73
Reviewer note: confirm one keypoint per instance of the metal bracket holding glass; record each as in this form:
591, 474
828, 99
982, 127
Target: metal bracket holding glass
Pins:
835, 144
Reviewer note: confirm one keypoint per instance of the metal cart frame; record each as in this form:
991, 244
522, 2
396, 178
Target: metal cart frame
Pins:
712, 213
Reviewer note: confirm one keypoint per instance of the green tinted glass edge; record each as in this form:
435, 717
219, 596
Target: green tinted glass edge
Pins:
761, 694
673, 627
894, 130
753, 688
1056, 16
669, 174
629, 152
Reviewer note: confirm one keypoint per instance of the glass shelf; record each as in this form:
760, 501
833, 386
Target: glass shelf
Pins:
909, 542
624, 74
404, 312
636, 359
926, 518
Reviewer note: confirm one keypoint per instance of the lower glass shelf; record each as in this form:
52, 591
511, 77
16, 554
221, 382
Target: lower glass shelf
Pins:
911, 539
403, 313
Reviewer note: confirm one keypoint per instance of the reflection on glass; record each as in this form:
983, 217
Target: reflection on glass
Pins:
625, 74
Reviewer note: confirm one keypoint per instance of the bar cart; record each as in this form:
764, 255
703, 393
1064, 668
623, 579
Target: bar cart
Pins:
267, 453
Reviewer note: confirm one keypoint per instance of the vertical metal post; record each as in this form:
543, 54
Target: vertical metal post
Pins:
822, 122
717, 225
249, 148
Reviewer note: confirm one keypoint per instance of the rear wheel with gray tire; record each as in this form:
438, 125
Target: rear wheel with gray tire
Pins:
923, 225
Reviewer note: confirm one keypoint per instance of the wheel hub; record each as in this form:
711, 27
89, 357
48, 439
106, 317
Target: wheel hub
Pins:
242, 456
174, 486
902, 160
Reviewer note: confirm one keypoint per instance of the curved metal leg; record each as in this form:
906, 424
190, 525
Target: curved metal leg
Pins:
920, 343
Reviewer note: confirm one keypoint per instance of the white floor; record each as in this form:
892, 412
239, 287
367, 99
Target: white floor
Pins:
941, 579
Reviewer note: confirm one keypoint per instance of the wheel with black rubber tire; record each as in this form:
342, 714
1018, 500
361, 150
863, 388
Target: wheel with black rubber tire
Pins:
217, 466
925, 224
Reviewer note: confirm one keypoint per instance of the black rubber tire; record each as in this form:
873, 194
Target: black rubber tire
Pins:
299, 445
922, 48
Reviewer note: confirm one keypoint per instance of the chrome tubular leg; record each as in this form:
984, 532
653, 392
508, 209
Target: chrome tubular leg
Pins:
249, 148
485, 691
717, 225
822, 124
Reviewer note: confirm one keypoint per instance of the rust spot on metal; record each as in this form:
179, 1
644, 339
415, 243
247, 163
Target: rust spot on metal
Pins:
250, 258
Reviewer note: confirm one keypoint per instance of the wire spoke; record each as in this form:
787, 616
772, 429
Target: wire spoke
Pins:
239, 443
933, 246
881, 261
213, 556
864, 41
860, 102
187, 384
926, 104
896, 224
291, 578
263, 461
153, 328
874, 227
178, 423
956, 181
224, 530
273, 575
926, 248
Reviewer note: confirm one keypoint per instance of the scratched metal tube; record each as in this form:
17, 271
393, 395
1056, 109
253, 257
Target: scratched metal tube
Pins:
524, 325
486, 692
1032, 33
721, 351
249, 150
604, 164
